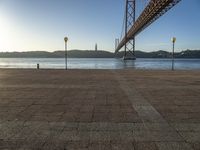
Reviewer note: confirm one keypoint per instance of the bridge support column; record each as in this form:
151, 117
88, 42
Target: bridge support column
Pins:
129, 22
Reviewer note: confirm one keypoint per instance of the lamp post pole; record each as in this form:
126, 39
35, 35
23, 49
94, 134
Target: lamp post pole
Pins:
173, 41
66, 39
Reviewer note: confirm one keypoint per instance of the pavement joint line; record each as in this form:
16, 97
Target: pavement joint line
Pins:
98, 130
93, 126
49, 86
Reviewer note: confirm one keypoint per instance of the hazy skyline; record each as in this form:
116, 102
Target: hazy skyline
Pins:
29, 25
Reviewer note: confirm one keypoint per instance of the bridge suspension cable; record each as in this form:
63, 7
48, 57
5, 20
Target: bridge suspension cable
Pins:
123, 27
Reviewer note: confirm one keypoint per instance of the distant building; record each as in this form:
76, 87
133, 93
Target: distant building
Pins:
96, 48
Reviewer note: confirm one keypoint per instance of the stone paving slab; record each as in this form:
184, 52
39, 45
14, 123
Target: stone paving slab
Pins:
99, 110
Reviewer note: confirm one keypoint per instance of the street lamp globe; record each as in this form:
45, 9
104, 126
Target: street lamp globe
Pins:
66, 39
173, 40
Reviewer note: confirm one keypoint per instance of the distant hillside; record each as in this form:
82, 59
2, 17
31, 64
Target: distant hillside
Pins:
90, 54
98, 54
58, 54
164, 54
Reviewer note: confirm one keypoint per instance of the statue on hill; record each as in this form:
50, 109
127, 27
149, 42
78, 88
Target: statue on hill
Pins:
96, 48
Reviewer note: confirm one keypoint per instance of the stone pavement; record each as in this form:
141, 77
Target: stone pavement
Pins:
99, 110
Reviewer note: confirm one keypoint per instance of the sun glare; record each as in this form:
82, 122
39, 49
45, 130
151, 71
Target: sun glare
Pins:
5, 33
9, 39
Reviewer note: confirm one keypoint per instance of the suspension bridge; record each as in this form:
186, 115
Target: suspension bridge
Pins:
132, 26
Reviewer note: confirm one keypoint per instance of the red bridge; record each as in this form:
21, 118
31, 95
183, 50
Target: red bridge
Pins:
153, 10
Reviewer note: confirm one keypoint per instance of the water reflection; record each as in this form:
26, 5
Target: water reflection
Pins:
129, 63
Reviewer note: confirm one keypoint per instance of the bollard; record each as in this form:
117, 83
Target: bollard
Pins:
38, 66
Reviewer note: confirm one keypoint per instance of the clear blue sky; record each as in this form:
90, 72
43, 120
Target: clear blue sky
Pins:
27, 25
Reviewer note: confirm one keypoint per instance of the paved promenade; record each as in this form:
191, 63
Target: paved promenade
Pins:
99, 110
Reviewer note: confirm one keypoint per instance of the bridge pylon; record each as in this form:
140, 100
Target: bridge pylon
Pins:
129, 53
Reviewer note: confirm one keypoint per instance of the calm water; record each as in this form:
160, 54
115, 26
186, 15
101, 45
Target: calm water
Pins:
93, 63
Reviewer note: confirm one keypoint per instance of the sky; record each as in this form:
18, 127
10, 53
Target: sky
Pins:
32, 25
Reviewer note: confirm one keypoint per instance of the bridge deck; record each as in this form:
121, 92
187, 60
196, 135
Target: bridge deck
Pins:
99, 109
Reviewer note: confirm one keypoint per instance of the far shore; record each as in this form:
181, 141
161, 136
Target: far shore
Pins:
99, 54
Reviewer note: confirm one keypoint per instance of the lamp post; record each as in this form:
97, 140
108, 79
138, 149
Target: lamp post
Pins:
173, 41
66, 39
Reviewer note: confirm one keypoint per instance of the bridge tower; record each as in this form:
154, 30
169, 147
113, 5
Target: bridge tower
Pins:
129, 22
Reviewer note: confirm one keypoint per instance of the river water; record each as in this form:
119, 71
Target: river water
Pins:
99, 63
